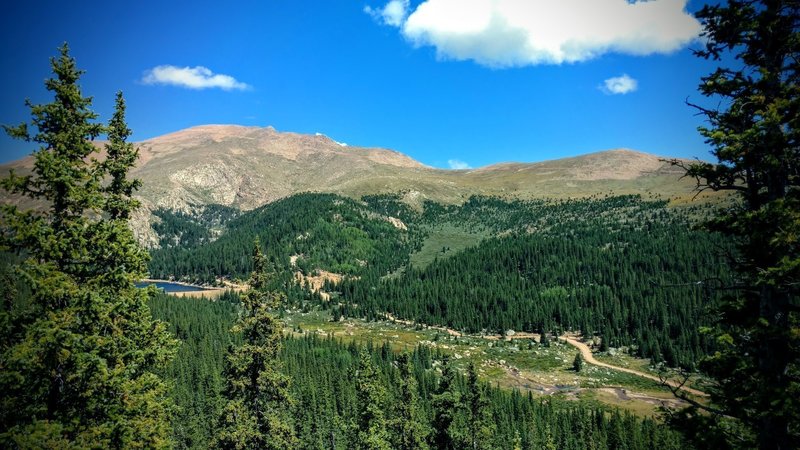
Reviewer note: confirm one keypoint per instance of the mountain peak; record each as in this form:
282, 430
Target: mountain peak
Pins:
246, 167
217, 142
614, 164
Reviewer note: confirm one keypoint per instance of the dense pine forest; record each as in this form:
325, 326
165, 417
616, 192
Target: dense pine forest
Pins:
620, 268
327, 394
323, 230
629, 270
709, 293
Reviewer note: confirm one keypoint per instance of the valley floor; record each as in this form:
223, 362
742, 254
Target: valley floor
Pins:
516, 362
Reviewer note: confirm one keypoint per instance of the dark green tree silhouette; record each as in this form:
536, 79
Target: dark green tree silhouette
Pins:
371, 430
479, 420
754, 135
258, 402
577, 363
120, 157
79, 356
544, 341
409, 424
446, 404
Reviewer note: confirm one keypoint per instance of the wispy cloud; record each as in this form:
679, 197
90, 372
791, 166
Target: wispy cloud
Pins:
506, 33
393, 13
457, 164
619, 85
198, 77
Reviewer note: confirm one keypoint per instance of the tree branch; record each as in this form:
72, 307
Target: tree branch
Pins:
678, 392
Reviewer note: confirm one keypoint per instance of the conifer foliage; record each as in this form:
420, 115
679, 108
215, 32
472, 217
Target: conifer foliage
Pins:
446, 404
410, 423
78, 356
754, 134
257, 410
577, 363
370, 431
481, 428
120, 157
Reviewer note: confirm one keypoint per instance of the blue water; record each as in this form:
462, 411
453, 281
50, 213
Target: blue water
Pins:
170, 287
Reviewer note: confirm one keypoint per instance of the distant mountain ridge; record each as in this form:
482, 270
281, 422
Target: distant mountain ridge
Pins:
246, 167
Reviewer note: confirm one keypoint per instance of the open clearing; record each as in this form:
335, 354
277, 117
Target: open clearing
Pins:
520, 362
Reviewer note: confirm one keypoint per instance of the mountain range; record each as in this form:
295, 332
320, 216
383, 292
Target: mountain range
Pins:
246, 167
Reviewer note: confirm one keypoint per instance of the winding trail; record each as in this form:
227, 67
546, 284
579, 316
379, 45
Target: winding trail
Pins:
572, 340
589, 358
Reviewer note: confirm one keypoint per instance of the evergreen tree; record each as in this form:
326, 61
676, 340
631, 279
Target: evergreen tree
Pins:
120, 156
754, 135
371, 431
481, 427
78, 358
516, 444
544, 341
256, 413
411, 429
446, 404
577, 363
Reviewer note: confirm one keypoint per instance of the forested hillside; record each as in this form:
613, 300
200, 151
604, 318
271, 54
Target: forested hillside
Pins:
181, 229
621, 268
321, 231
577, 303
328, 397
629, 270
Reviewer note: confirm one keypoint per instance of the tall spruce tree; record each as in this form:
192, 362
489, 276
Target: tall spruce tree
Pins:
754, 135
446, 404
257, 411
409, 423
371, 427
481, 428
78, 356
120, 157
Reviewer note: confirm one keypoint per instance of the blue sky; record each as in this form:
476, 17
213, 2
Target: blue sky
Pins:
448, 83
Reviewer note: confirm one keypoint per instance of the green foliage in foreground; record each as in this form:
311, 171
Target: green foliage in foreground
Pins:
754, 134
327, 408
79, 352
256, 391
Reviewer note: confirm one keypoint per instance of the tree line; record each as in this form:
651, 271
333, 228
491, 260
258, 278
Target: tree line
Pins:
84, 362
634, 278
620, 267
346, 395
321, 231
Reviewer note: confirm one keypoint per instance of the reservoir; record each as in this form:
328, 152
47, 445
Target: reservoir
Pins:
170, 287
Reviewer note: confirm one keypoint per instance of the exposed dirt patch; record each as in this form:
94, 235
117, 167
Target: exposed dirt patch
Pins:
397, 223
586, 352
315, 282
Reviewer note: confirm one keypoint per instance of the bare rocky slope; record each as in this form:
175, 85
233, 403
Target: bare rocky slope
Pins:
246, 167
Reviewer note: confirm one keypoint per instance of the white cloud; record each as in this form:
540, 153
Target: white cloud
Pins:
457, 164
191, 77
619, 85
507, 33
393, 13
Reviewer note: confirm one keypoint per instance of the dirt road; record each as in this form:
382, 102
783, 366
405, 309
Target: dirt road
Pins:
589, 358
571, 340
